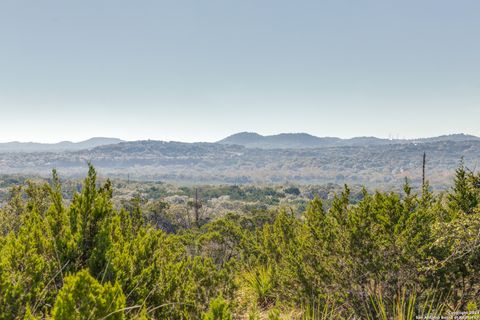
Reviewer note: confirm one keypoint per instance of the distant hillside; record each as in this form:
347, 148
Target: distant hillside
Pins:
304, 140
245, 139
372, 165
52, 147
281, 141
449, 137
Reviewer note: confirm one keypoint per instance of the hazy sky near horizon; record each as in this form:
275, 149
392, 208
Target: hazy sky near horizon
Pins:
193, 70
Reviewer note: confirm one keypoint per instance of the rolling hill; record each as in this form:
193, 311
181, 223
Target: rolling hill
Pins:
304, 140
205, 163
16, 146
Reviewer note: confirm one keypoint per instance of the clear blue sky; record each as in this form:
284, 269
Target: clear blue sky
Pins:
200, 70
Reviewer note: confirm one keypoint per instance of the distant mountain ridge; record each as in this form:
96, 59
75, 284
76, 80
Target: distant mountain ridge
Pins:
91, 143
305, 140
244, 139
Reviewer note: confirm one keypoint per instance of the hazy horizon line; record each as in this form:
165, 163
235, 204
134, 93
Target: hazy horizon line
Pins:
79, 140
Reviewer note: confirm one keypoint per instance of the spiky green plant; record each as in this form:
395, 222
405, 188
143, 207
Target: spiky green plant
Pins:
323, 309
404, 306
259, 283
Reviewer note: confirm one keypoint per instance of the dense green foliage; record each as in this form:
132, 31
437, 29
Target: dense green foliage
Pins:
385, 256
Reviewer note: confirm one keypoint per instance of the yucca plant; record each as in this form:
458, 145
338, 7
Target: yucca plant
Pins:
404, 306
322, 310
259, 282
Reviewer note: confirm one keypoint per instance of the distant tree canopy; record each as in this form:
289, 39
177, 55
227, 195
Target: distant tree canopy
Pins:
383, 256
